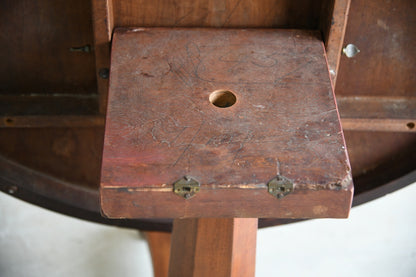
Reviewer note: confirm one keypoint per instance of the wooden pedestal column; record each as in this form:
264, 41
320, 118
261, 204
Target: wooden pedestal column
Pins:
213, 247
159, 245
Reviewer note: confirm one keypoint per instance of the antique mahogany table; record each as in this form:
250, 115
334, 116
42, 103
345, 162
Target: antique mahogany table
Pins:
215, 126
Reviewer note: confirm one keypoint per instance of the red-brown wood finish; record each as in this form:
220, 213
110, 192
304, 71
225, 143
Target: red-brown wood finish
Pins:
48, 92
208, 247
159, 245
161, 125
334, 30
383, 72
302, 14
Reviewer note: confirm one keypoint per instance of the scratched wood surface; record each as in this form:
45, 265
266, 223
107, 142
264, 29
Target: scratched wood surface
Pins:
36, 60
328, 16
161, 125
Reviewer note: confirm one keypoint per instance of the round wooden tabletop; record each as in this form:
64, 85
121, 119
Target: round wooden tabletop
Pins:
52, 115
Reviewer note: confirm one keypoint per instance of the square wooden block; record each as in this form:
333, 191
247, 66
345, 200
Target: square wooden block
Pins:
222, 123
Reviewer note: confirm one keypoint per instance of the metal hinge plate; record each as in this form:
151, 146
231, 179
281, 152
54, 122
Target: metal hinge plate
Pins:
186, 187
280, 186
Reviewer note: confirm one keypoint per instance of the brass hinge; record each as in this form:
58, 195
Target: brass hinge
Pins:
280, 186
186, 187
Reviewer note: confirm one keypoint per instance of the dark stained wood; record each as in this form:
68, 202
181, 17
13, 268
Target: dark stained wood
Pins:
383, 70
159, 245
42, 121
161, 125
377, 107
385, 34
44, 104
35, 58
213, 247
102, 12
302, 14
381, 125
369, 150
72, 199
327, 15
70, 154
384, 172
369, 192
385, 114
17, 179
35, 42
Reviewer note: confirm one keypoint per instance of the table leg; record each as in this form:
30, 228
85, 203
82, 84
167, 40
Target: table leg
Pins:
213, 247
159, 245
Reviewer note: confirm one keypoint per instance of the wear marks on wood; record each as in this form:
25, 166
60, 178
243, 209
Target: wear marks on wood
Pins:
162, 125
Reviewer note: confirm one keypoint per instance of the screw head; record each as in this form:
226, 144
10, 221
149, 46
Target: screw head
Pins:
104, 73
280, 186
350, 50
12, 189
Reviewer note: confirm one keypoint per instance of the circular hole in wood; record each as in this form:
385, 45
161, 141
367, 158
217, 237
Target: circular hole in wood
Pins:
222, 98
410, 125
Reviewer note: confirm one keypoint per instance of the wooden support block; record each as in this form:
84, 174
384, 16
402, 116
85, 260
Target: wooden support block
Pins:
220, 247
230, 118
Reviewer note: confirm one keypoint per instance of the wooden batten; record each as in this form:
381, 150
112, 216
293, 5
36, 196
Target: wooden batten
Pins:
103, 22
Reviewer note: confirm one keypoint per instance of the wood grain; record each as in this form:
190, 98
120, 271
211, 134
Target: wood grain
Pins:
302, 14
74, 121
384, 70
35, 45
102, 12
159, 244
385, 114
213, 247
60, 195
161, 125
333, 30
45, 104
70, 154
386, 64
35, 42
380, 125
385, 149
